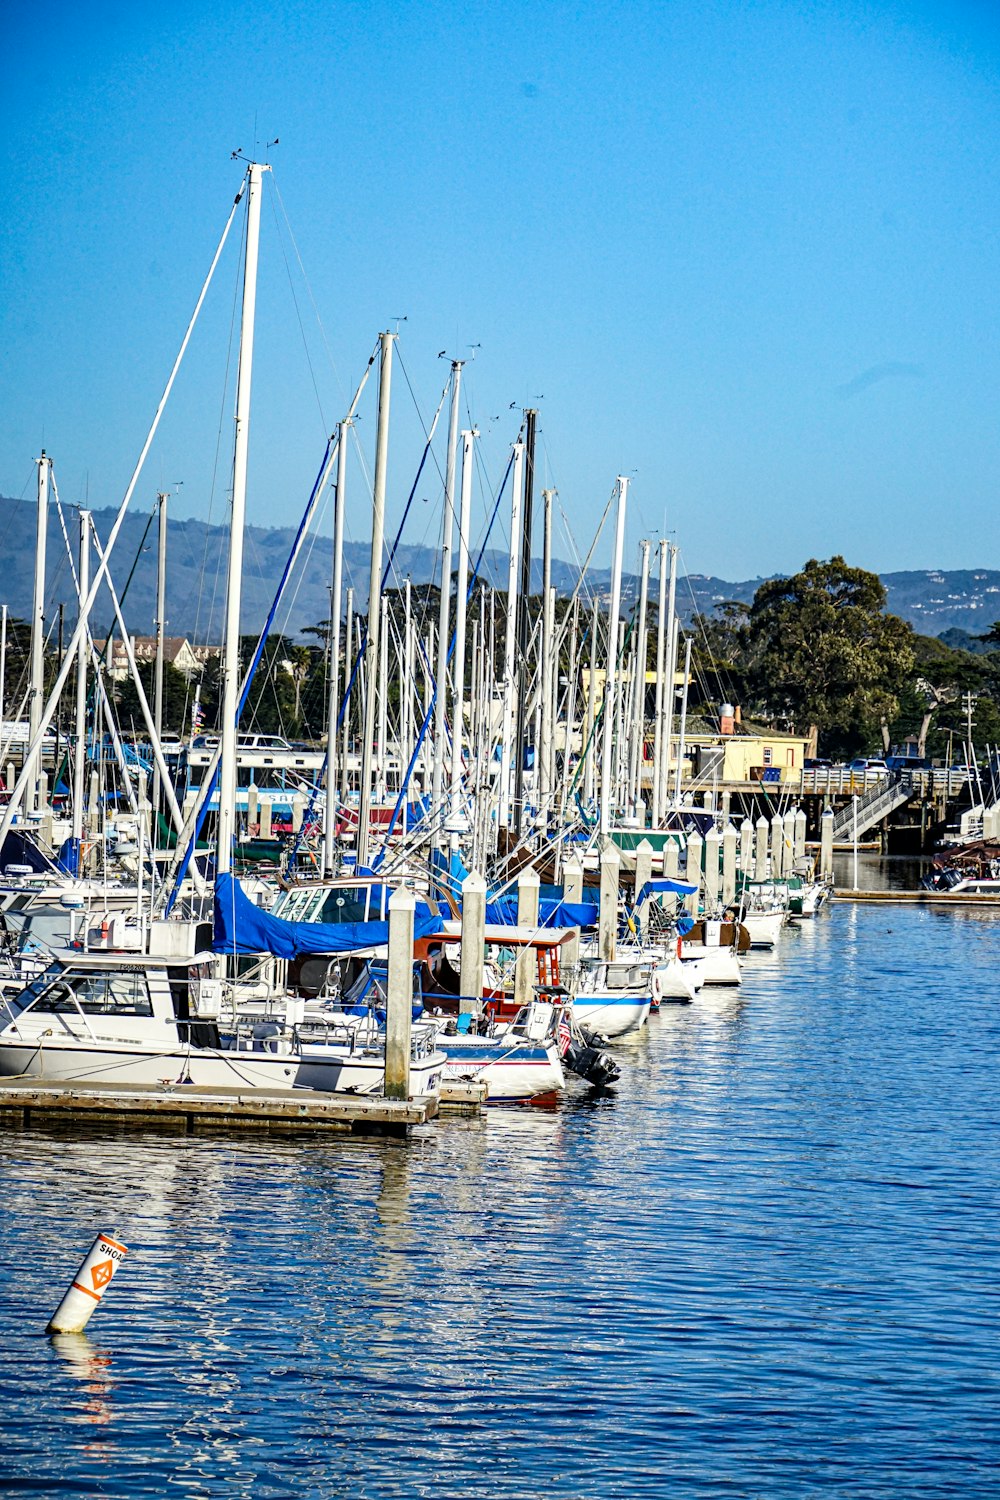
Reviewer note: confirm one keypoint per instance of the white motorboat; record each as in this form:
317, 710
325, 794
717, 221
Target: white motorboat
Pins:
765, 927
130, 1018
716, 946
518, 1062
612, 998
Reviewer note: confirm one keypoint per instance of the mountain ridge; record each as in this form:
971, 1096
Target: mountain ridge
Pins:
933, 600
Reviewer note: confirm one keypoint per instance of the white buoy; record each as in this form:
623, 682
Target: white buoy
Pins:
88, 1285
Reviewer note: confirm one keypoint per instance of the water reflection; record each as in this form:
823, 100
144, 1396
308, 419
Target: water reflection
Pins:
90, 1366
788, 1206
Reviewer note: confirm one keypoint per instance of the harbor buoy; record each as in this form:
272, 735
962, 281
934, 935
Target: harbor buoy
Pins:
88, 1285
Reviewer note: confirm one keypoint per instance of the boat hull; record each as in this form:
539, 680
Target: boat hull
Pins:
718, 965
611, 1014
512, 1074
67, 1061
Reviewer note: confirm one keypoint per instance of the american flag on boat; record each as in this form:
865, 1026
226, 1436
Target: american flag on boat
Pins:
563, 1035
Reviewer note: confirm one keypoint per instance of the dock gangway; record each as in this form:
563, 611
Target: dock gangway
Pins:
873, 808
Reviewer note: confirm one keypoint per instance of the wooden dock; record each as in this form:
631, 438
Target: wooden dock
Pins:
186, 1109
920, 898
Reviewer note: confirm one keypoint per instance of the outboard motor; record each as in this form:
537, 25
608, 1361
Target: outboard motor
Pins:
590, 1063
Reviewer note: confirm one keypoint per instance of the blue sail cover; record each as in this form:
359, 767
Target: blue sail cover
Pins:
503, 913
664, 887
241, 927
19, 849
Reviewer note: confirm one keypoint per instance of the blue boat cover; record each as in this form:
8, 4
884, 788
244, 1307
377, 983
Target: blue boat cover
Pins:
664, 887
503, 913
241, 927
18, 849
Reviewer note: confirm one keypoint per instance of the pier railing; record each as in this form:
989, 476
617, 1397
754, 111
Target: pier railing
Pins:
839, 781
870, 810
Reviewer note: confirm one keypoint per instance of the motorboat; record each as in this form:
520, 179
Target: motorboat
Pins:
612, 998
717, 946
131, 1018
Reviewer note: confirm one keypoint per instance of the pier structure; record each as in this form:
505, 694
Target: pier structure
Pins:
908, 811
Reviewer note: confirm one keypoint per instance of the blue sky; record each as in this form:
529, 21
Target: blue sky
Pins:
746, 254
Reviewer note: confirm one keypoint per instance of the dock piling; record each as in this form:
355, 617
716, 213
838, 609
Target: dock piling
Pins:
399, 997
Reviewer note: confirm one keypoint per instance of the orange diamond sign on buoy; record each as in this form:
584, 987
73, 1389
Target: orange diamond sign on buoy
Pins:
102, 1273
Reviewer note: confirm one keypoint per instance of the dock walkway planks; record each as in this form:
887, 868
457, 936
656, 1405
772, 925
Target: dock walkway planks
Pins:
920, 898
190, 1110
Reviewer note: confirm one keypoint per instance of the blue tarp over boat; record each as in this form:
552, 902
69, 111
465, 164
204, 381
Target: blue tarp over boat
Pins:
664, 887
241, 927
503, 912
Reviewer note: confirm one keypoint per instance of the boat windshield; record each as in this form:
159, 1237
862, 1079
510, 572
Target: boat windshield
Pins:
95, 993
13, 1005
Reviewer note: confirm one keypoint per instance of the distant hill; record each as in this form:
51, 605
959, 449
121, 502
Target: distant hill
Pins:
932, 601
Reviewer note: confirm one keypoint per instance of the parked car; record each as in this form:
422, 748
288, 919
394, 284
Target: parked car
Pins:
813, 763
863, 766
908, 763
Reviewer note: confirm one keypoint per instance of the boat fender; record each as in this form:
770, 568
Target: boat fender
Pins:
656, 987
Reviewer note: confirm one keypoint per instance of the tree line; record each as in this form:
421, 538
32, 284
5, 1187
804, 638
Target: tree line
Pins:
818, 651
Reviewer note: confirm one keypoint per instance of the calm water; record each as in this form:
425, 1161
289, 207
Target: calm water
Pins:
768, 1267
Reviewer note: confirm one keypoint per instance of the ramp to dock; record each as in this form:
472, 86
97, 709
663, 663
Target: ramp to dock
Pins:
873, 808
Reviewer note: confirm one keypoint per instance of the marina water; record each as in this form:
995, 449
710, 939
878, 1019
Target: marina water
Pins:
768, 1266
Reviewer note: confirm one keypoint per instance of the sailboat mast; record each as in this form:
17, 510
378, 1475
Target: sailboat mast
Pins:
520, 738
661, 637
608, 710
161, 607
462, 587
681, 742
345, 733
386, 341
333, 678
80, 753
543, 757
639, 688
37, 678
444, 614
231, 649
510, 641
668, 683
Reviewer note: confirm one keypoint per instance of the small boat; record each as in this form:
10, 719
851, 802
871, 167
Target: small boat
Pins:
717, 946
613, 998
765, 927
517, 1059
129, 1018
972, 870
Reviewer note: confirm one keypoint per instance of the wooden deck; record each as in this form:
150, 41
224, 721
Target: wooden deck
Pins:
189, 1110
920, 898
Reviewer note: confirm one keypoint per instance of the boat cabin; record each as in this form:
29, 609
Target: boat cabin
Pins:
120, 997
439, 975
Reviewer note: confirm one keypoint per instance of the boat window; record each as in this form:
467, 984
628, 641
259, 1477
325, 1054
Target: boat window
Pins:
13, 1005
101, 994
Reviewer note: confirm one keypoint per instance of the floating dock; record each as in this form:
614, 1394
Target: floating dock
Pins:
920, 898
188, 1110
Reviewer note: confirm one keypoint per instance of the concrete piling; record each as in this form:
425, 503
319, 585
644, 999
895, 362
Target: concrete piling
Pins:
473, 942
608, 917
399, 997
